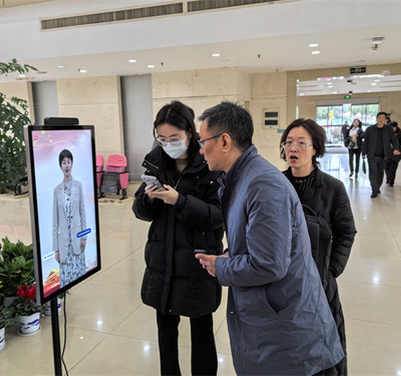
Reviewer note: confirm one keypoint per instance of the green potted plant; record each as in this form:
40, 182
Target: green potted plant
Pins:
27, 309
16, 268
14, 115
6, 318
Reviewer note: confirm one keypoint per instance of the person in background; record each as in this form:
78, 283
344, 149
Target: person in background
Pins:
379, 145
301, 144
392, 163
353, 141
278, 317
344, 129
185, 217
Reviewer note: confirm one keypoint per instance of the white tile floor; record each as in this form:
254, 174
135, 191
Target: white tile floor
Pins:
110, 331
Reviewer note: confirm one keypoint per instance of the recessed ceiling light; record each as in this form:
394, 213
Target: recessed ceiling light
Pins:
377, 80
21, 75
132, 61
314, 45
150, 66
60, 66
373, 84
82, 70
315, 52
215, 55
335, 92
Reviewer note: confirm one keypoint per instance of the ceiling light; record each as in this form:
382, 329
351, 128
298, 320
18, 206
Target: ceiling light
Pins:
315, 52
314, 45
373, 84
60, 66
377, 40
150, 66
82, 70
377, 80
132, 61
215, 55
21, 75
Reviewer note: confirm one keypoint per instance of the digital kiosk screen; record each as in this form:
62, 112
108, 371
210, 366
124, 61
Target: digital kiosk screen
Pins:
61, 164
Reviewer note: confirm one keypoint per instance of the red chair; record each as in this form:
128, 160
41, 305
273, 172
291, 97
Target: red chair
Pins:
99, 170
115, 177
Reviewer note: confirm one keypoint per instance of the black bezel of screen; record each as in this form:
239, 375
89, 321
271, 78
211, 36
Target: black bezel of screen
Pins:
34, 208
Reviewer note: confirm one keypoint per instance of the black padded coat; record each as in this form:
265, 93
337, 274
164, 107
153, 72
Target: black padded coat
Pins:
174, 281
329, 199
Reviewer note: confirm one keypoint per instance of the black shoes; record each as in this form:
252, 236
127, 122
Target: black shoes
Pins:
391, 185
373, 195
350, 174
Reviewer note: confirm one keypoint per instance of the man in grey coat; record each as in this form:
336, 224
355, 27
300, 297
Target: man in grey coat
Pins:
278, 317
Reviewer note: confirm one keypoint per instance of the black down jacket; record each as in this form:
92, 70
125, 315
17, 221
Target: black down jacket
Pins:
174, 281
329, 199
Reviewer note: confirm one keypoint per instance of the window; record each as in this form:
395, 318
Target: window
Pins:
332, 117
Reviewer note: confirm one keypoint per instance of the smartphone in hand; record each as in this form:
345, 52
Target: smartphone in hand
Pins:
152, 180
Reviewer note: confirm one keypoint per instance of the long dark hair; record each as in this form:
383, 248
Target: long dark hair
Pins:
317, 134
180, 116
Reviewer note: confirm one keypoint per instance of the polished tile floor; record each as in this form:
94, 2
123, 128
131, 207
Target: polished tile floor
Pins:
110, 331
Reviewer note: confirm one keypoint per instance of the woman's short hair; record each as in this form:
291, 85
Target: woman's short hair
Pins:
317, 134
64, 154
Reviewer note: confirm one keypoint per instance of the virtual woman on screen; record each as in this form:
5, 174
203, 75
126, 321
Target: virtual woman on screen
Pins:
68, 221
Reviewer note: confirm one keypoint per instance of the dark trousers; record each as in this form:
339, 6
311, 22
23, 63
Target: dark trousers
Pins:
391, 169
203, 352
351, 154
376, 173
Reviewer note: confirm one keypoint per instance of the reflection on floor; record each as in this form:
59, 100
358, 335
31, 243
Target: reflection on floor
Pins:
110, 331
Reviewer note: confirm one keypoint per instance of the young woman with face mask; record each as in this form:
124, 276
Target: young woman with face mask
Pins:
185, 216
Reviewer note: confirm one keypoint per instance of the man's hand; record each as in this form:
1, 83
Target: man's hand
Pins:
396, 152
209, 262
363, 156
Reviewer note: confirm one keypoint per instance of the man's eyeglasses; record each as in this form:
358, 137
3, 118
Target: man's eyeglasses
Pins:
299, 145
202, 142
174, 141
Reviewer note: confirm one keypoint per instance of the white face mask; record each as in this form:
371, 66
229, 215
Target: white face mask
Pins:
176, 151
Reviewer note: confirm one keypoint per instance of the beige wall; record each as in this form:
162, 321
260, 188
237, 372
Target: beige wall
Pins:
201, 89
95, 101
269, 91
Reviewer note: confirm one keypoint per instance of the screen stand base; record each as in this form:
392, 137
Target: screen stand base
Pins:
56, 337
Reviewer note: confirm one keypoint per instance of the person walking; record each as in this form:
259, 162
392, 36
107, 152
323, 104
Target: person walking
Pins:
185, 216
392, 163
301, 144
377, 146
353, 141
278, 317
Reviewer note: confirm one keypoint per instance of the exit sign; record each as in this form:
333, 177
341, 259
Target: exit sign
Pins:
357, 70
347, 96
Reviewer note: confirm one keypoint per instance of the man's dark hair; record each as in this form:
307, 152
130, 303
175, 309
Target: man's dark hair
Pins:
381, 113
64, 154
317, 134
233, 119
